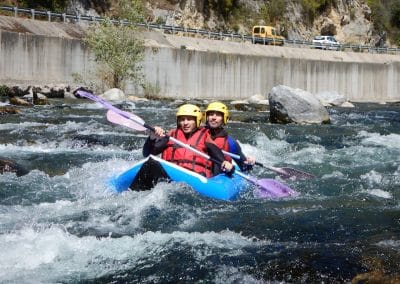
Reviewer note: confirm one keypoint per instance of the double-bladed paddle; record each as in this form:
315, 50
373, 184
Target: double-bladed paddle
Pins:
268, 187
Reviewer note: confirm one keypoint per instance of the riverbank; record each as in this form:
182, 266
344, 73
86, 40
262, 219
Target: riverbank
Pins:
38, 52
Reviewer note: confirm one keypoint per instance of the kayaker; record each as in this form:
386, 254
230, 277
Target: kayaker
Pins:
188, 130
217, 116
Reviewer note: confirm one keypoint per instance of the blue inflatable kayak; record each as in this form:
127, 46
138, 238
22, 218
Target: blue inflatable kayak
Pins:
146, 173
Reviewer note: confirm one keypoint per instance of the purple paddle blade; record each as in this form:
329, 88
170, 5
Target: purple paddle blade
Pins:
270, 188
118, 119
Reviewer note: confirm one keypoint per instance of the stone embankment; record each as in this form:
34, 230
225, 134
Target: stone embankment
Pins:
40, 53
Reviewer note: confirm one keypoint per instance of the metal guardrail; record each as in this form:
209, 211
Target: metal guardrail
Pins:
51, 16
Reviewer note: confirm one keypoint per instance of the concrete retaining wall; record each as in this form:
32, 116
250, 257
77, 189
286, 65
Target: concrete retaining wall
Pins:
32, 59
199, 74
184, 67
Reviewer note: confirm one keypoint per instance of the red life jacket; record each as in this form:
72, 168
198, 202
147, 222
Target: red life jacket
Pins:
186, 158
223, 144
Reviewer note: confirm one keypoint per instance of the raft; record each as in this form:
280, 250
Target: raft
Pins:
146, 173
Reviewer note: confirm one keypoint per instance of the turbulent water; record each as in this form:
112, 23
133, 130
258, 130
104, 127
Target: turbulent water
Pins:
61, 224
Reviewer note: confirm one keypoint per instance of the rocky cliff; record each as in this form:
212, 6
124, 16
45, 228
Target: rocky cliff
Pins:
348, 20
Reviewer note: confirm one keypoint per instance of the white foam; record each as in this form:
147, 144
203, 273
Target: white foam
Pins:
395, 244
373, 178
229, 274
375, 139
334, 174
276, 151
380, 193
20, 126
29, 254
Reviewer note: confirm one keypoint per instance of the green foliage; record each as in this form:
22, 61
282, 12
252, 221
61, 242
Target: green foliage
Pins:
276, 9
117, 49
52, 5
4, 91
240, 16
272, 12
379, 15
385, 14
224, 7
132, 10
264, 14
313, 7
395, 14
160, 21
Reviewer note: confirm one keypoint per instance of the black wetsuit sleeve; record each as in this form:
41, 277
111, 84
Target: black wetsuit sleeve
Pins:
154, 146
240, 162
216, 154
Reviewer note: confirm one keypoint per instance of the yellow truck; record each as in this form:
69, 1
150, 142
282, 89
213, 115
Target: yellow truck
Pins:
267, 35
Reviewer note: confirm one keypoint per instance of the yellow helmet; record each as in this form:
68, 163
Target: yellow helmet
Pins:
220, 107
190, 110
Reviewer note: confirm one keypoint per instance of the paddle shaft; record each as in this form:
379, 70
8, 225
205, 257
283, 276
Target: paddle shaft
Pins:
235, 156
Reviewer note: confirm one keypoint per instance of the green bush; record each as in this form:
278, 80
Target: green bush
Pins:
395, 13
52, 5
4, 91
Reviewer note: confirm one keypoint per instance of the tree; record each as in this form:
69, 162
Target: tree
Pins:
117, 48
395, 13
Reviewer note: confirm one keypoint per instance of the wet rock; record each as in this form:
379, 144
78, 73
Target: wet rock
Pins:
289, 105
57, 91
330, 98
137, 99
378, 272
347, 104
36, 99
18, 91
10, 166
113, 94
240, 105
8, 110
19, 102
69, 95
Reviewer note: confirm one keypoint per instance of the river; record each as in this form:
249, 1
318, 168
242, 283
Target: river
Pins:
61, 224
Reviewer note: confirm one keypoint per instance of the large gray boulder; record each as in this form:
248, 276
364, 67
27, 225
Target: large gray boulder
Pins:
113, 94
295, 105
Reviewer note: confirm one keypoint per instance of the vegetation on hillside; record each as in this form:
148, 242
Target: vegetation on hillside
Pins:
386, 18
51, 5
233, 13
117, 49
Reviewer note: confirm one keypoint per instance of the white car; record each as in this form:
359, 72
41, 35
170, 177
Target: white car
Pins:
326, 42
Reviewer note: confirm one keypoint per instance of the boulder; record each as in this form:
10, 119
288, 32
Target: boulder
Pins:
241, 105
36, 99
347, 104
259, 102
295, 105
137, 99
328, 98
114, 94
19, 102
8, 110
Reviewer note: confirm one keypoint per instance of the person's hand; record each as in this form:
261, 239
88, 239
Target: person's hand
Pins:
226, 166
250, 160
159, 131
